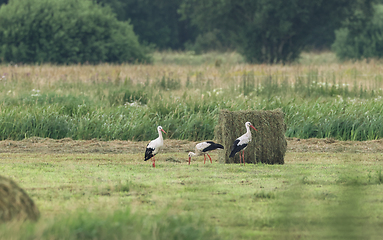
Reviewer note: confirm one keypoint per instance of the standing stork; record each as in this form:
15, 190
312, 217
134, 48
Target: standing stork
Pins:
202, 149
242, 142
154, 146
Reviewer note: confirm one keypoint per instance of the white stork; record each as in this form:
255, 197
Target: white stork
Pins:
242, 142
202, 149
154, 146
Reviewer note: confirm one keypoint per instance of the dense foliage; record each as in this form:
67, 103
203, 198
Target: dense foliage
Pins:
263, 31
267, 31
65, 31
219, 25
362, 37
155, 21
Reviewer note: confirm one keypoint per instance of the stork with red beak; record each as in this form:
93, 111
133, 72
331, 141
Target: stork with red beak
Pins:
202, 149
154, 146
242, 142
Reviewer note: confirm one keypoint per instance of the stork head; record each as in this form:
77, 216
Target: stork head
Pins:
159, 128
191, 154
248, 124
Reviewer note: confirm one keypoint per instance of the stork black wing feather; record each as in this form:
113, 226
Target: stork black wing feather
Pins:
149, 153
236, 148
212, 146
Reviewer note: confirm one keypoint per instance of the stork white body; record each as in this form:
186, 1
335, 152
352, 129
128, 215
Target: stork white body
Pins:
202, 148
242, 142
154, 146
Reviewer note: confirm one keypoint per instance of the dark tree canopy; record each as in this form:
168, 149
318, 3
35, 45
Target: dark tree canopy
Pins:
270, 31
362, 36
264, 31
65, 31
155, 21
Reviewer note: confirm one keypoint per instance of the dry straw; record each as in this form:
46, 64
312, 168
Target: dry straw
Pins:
268, 144
15, 204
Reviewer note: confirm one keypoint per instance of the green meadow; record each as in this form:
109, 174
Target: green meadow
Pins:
94, 194
118, 196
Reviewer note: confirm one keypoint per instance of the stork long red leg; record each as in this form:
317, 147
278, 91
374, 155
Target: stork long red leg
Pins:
243, 158
204, 159
154, 162
210, 158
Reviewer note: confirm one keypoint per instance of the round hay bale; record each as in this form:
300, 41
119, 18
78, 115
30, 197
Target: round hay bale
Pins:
268, 145
15, 204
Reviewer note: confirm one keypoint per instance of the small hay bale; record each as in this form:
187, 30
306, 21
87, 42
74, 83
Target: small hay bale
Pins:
15, 204
268, 145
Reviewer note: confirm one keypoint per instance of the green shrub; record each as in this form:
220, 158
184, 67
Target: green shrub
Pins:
65, 31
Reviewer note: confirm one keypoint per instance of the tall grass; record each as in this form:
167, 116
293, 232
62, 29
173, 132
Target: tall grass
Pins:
128, 102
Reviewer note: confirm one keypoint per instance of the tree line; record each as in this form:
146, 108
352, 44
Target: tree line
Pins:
263, 31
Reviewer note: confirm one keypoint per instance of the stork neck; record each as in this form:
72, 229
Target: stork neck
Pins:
160, 134
248, 132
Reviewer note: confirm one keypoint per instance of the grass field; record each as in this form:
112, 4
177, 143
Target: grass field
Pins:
56, 123
336, 194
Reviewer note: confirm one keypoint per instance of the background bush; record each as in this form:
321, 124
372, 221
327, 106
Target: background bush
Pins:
362, 38
65, 31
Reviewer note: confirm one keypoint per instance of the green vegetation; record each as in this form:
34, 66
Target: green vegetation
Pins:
156, 22
65, 32
262, 31
119, 102
121, 224
265, 31
362, 37
104, 196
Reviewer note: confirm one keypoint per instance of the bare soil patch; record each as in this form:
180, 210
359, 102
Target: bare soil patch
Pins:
66, 145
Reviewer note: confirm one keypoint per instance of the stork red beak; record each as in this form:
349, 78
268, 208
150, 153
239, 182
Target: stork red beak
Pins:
163, 130
253, 128
189, 160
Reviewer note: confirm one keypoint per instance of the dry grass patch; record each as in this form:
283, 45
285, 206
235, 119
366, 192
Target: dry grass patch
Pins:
15, 204
361, 72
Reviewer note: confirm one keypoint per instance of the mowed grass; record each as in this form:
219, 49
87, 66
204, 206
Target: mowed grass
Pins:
119, 196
